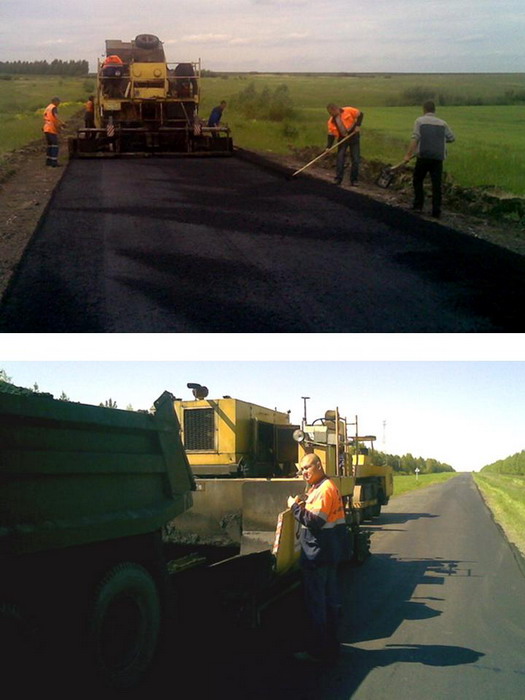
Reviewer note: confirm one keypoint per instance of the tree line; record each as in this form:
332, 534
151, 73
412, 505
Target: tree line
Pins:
55, 67
406, 464
515, 464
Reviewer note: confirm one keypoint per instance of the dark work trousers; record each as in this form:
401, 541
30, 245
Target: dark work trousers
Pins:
52, 149
355, 155
435, 168
89, 122
323, 605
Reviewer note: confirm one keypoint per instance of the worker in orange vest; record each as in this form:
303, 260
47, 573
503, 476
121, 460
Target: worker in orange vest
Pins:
89, 114
112, 68
344, 121
113, 62
51, 128
324, 541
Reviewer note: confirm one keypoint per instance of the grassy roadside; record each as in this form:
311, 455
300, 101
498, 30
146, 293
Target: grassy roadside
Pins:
505, 496
409, 482
489, 150
24, 98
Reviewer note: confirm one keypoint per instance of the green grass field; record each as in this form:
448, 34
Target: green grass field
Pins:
490, 146
505, 496
23, 100
490, 139
408, 482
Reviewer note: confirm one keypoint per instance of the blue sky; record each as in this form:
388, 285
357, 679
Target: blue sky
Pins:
467, 414
279, 35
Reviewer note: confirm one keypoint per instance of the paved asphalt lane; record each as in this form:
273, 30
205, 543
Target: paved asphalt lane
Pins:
222, 245
438, 612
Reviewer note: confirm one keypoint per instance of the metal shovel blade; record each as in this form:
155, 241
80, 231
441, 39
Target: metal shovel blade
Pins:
386, 177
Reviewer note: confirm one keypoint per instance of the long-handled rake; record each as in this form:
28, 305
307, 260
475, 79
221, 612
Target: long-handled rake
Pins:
323, 154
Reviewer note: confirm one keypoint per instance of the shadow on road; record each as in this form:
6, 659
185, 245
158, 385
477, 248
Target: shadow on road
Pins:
225, 661
207, 654
397, 518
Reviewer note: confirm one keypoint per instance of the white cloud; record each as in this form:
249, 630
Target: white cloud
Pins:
284, 35
56, 42
205, 38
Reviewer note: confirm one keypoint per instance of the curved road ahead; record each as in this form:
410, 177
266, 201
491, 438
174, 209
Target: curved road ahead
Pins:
224, 245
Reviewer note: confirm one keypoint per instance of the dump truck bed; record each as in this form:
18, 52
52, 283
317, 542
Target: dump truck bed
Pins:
72, 474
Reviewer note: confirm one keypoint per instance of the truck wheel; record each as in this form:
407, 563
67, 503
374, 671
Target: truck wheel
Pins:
124, 625
147, 41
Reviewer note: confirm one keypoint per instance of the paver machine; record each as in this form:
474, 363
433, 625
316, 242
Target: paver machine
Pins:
144, 105
244, 459
349, 456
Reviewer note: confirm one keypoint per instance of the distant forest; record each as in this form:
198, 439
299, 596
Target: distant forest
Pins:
56, 67
515, 464
407, 464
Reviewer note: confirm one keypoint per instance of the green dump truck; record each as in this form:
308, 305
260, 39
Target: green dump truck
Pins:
84, 494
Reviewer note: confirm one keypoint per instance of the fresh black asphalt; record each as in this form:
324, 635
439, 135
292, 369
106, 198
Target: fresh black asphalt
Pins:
225, 245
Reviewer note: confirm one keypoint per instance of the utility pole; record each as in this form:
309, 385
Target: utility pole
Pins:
305, 399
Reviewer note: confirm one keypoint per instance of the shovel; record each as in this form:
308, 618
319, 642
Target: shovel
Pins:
387, 175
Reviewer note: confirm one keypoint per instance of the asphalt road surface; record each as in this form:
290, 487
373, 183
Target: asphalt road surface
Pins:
437, 612
224, 245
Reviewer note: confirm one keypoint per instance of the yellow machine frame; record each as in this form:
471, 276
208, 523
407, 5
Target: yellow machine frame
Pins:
149, 107
231, 434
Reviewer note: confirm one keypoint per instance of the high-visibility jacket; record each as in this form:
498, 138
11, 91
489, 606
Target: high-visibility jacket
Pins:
323, 534
112, 61
51, 120
349, 117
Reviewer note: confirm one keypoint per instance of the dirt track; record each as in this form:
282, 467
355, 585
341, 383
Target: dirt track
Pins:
222, 245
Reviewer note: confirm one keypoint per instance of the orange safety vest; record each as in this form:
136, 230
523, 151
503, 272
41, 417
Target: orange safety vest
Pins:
348, 116
324, 499
51, 121
113, 60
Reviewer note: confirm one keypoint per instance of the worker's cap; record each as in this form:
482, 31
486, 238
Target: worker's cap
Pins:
56, 99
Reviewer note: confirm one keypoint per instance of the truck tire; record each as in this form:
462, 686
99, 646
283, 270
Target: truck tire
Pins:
124, 625
147, 41
376, 510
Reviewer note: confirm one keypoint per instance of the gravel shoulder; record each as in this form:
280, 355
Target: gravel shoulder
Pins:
26, 186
